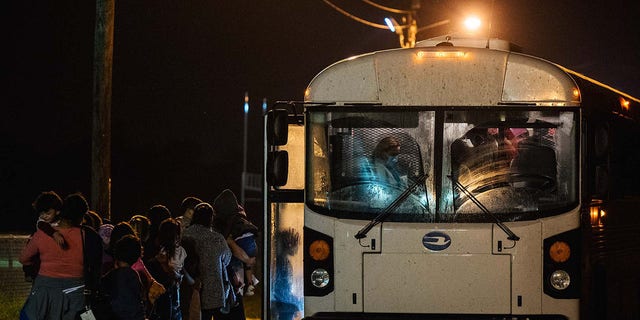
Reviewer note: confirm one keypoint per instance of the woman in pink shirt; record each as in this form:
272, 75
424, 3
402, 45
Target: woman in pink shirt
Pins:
58, 290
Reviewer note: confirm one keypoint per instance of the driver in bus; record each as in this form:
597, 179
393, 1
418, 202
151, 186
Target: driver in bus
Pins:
385, 162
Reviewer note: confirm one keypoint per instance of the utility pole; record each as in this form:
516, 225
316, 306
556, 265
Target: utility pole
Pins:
101, 129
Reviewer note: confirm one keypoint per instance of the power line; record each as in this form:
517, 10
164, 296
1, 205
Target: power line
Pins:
381, 7
351, 16
406, 32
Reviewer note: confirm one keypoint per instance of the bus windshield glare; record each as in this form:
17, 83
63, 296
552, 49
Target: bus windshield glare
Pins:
519, 165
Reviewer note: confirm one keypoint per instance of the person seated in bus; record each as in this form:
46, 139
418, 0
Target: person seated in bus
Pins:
460, 151
513, 136
535, 164
474, 156
385, 163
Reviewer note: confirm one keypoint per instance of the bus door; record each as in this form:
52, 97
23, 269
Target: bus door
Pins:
284, 218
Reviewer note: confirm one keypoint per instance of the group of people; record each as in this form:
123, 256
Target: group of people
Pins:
500, 155
197, 265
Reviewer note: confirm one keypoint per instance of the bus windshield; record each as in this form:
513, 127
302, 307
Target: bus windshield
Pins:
519, 165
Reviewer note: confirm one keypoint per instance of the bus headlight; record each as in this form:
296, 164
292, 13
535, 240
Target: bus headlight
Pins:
320, 278
560, 279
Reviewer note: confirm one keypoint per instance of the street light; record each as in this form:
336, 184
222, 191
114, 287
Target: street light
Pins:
244, 148
391, 23
407, 40
264, 106
472, 23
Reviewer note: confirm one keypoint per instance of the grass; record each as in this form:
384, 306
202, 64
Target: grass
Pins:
10, 305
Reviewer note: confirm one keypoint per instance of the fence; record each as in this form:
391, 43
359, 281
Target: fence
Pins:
12, 282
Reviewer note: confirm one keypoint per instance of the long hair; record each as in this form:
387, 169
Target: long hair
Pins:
168, 235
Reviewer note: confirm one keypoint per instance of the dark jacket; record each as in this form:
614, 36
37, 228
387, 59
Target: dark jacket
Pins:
123, 289
230, 218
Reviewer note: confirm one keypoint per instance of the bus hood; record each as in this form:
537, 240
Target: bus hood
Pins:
440, 271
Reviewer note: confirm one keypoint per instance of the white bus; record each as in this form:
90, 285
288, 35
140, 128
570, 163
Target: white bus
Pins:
453, 180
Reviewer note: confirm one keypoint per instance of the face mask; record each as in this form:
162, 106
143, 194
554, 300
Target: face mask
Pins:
392, 161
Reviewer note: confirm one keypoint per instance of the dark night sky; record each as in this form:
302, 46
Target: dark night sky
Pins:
180, 70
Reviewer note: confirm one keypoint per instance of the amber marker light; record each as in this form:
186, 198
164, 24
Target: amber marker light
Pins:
440, 54
624, 103
319, 250
576, 94
559, 251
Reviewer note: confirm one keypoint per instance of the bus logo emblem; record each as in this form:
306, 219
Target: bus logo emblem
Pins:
436, 241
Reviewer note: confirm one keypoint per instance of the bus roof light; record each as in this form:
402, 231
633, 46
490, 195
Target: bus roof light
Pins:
441, 54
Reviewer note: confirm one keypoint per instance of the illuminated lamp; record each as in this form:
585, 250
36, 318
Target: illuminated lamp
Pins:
624, 103
559, 251
576, 93
319, 250
441, 54
596, 212
472, 23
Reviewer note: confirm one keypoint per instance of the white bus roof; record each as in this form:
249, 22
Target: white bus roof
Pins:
488, 43
445, 75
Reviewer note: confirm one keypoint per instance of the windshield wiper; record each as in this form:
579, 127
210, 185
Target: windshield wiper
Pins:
512, 236
386, 212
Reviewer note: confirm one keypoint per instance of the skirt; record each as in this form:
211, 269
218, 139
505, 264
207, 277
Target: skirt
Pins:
54, 298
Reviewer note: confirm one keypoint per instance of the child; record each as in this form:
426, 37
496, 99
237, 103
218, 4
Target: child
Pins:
151, 289
232, 221
167, 267
187, 205
287, 305
121, 286
47, 205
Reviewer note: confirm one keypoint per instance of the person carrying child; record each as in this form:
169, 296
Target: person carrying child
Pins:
232, 221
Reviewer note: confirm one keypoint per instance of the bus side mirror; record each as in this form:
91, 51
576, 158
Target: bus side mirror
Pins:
277, 127
277, 168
